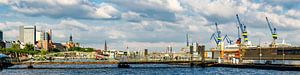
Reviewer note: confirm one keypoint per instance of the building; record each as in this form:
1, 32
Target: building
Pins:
39, 36
2, 43
59, 46
70, 43
44, 40
27, 34
1, 35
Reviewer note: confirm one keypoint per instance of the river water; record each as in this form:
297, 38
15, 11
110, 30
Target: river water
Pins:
154, 69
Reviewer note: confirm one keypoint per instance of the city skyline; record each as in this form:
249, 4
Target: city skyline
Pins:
149, 23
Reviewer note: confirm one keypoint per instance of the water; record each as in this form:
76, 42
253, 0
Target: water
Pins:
155, 69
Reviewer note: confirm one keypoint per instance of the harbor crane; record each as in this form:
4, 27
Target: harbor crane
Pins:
273, 32
243, 29
239, 39
217, 35
228, 39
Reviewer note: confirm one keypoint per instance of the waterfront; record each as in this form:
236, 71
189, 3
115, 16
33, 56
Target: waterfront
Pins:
154, 69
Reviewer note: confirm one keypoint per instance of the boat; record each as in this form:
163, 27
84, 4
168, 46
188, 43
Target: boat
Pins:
4, 61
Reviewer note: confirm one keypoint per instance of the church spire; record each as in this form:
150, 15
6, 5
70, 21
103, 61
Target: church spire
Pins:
71, 38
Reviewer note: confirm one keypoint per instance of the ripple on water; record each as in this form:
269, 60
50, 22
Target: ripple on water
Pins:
155, 69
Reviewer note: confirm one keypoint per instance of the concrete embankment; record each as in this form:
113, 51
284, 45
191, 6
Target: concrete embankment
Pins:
260, 66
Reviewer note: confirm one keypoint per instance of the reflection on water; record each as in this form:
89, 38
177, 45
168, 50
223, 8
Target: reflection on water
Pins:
155, 69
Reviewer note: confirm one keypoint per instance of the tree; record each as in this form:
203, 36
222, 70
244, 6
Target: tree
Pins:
16, 46
89, 50
29, 47
43, 52
55, 50
81, 49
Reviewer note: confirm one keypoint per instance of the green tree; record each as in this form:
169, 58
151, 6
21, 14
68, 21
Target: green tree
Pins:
81, 49
55, 50
89, 50
29, 47
44, 52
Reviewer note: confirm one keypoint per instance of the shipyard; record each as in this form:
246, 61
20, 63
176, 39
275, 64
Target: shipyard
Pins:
227, 53
111, 37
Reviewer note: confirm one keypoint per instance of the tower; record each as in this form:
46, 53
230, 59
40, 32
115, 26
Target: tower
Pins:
105, 46
187, 39
1, 36
71, 38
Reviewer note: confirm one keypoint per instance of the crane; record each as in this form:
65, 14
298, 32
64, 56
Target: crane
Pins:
239, 39
228, 39
213, 36
217, 35
243, 29
273, 31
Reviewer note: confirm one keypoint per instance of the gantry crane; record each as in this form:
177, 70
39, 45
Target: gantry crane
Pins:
243, 29
228, 39
239, 39
217, 35
273, 32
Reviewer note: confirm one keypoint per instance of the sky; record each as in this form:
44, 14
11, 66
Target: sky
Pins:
151, 24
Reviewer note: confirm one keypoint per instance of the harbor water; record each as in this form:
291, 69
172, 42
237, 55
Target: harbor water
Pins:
154, 69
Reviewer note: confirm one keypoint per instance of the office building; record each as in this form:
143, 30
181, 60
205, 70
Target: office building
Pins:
27, 34
39, 36
44, 40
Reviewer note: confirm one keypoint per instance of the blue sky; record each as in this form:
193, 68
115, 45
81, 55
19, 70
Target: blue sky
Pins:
152, 24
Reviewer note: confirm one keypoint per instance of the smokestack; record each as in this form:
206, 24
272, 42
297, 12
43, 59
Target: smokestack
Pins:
187, 39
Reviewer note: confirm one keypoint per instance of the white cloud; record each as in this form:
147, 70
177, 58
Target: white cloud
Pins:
4, 2
155, 23
73, 25
223, 8
106, 11
132, 16
114, 34
151, 9
64, 9
11, 30
293, 13
162, 5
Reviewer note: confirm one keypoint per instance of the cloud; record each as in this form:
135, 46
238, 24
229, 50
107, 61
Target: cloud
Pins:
153, 23
77, 9
114, 34
293, 14
106, 11
72, 25
10, 30
222, 8
142, 5
4, 2
132, 16
287, 4
154, 9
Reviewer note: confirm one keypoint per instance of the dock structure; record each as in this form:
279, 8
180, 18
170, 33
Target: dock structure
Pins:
122, 64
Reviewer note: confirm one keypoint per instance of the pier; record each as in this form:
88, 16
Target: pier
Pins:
120, 64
